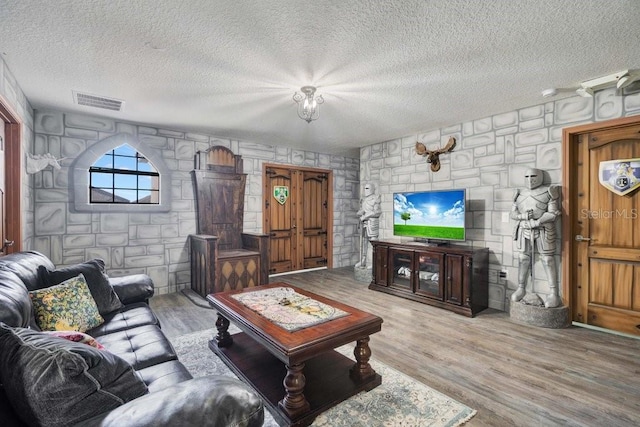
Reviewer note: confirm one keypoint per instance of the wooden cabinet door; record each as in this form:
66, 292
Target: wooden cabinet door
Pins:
454, 283
296, 216
380, 260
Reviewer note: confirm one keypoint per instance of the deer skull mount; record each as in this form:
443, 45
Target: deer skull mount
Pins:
433, 156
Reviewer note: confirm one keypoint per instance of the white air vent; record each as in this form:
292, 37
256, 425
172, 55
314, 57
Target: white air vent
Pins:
98, 101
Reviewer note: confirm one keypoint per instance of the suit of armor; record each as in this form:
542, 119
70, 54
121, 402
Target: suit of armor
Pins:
535, 209
369, 214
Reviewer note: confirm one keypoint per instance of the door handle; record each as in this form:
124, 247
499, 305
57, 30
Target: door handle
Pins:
580, 238
7, 243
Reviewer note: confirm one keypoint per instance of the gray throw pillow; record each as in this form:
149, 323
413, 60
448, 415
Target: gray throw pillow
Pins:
54, 382
94, 273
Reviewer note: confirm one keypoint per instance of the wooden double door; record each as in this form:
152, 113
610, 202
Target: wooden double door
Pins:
297, 216
601, 224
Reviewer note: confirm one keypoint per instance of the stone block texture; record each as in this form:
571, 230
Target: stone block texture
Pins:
489, 161
157, 243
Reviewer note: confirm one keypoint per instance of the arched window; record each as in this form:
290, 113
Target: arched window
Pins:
120, 174
123, 175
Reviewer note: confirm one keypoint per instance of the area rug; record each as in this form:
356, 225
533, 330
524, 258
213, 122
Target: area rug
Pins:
400, 400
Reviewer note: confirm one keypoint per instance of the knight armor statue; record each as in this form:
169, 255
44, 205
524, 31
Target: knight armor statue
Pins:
535, 209
369, 214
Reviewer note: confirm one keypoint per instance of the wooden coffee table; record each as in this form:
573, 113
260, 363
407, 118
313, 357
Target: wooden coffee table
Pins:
298, 374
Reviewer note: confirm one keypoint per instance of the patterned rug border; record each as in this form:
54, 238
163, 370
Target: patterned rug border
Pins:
380, 407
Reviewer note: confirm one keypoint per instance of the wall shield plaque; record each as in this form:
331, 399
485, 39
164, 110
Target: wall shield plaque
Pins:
281, 193
620, 176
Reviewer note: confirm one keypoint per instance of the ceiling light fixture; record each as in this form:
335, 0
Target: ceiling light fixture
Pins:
308, 103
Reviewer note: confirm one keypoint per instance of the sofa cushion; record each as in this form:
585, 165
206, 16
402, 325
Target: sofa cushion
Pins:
133, 288
51, 381
25, 266
128, 317
16, 308
203, 401
68, 306
163, 375
96, 277
141, 347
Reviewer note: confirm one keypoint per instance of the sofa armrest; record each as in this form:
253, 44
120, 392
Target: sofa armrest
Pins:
210, 400
133, 288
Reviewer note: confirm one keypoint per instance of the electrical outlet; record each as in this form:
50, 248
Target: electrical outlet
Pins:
502, 277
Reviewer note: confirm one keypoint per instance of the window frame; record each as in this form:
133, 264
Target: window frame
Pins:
80, 177
116, 171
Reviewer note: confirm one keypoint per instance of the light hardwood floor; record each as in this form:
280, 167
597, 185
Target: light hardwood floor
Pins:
513, 375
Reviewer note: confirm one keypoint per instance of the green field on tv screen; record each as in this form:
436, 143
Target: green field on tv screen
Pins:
430, 232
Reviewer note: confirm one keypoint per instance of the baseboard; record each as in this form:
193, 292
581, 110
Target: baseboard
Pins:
607, 331
297, 271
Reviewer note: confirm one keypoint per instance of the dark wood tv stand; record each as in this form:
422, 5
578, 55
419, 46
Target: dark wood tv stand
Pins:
452, 277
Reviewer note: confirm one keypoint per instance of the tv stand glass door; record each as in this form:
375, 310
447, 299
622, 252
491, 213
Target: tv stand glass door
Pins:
419, 273
401, 269
430, 271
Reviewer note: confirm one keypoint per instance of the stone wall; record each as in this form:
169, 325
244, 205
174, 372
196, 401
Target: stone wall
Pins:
15, 99
490, 159
156, 243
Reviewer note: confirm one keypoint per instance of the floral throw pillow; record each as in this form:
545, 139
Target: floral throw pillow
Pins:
68, 306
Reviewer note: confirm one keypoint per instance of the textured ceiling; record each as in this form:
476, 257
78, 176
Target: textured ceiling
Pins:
386, 69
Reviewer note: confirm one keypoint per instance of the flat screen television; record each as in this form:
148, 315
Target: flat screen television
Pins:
430, 216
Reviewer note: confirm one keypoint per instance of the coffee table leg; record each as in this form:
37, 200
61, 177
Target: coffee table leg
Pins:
224, 337
362, 369
294, 402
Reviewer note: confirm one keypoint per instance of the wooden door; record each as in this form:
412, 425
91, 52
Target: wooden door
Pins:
601, 269
296, 216
315, 202
10, 170
3, 213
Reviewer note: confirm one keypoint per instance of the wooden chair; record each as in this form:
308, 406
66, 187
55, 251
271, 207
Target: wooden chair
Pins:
224, 258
